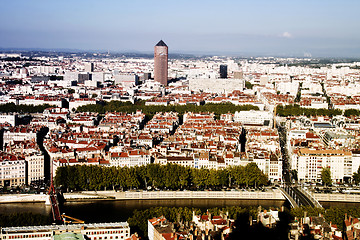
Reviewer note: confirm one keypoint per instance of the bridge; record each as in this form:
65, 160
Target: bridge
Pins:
298, 196
58, 218
54, 204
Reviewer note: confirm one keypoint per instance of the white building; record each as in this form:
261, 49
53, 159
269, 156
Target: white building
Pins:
290, 88
126, 80
12, 172
216, 85
309, 164
35, 167
92, 231
78, 102
8, 118
129, 159
252, 117
19, 134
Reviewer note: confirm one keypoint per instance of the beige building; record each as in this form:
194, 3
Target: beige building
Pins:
12, 171
35, 167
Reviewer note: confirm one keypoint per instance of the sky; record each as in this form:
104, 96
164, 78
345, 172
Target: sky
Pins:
229, 27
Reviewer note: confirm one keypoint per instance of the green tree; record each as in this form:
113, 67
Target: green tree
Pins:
294, 174
326, 176
356, 176
248, 85
170, 176
351, 112
23, 219
254, 176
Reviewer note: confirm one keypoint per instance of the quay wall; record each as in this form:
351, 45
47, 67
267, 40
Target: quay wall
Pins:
336, 197
151, 195
22, 198
146, 195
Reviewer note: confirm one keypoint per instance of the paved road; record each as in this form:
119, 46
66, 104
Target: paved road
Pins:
303, 200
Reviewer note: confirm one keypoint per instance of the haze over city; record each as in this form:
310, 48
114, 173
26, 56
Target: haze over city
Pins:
198, 120
282, 28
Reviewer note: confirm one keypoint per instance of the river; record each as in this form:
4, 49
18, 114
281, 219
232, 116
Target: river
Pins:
121, 210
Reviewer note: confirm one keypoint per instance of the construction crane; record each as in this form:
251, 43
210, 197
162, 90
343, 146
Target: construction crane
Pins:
72, 219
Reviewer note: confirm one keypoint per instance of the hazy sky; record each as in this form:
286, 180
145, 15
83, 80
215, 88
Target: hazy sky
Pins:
278, 27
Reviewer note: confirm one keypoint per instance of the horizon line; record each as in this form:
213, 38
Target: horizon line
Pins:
180, 52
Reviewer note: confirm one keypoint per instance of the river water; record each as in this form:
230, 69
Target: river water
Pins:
121, 210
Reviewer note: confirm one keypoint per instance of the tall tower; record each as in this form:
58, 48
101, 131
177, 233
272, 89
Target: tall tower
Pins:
161, 63
223, 71
89, 67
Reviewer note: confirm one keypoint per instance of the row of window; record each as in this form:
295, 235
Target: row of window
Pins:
106, 232
110, 237
28, 236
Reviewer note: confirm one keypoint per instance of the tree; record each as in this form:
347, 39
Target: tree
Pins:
351, 112
248, 85
356, 176
294, 174
326, 176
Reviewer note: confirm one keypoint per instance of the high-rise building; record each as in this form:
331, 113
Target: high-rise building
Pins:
238, 75
147, 76
89, 67
161, 63
223, 71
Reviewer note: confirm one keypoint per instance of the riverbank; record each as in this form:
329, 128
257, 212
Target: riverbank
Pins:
23, 198
337, 197
271, 194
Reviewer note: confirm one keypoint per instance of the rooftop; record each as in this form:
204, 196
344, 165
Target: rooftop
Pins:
69, 236
161, 44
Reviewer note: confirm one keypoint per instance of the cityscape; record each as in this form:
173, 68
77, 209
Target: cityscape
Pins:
214, 139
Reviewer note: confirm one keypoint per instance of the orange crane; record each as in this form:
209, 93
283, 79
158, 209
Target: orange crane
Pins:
72, 219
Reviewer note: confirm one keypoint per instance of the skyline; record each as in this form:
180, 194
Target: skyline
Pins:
296, 28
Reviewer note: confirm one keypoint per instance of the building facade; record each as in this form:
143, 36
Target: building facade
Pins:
161, 63
92, 231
